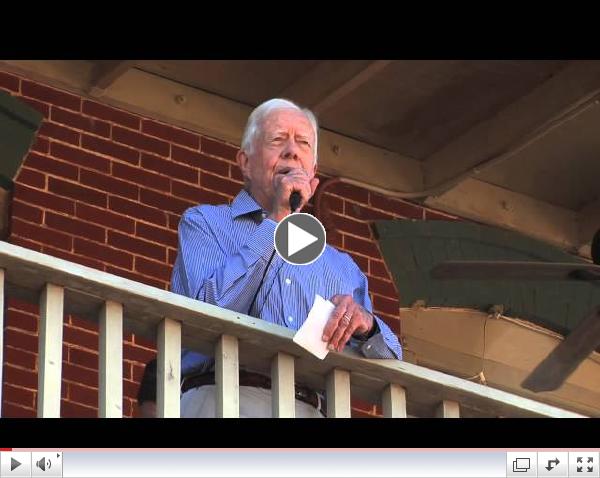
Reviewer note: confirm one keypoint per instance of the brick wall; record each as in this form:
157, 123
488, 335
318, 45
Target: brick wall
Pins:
106, 188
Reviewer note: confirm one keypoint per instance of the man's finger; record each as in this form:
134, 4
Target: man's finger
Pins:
341, 304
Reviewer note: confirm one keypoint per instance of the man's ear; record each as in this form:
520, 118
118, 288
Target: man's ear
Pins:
243, 161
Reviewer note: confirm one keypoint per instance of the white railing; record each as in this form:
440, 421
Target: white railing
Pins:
172, 321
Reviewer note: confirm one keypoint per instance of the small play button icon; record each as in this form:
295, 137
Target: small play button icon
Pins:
14, 464
300, 239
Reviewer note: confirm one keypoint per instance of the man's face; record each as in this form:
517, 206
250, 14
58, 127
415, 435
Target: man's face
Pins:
287, 141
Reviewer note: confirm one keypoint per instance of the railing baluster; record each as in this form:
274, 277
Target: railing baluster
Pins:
282, 386
338, 394
448, 409
169, 369
394, 401
51, 345
110, 397
227, 377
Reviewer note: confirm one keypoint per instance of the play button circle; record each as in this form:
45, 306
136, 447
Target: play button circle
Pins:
300, 239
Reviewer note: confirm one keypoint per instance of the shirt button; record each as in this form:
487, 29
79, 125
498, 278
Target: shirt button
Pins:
288, 281
369, 347
290, 319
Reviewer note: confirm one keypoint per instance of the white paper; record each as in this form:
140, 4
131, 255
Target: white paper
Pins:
310, 335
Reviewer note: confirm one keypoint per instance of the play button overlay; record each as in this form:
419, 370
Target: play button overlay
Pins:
300, 239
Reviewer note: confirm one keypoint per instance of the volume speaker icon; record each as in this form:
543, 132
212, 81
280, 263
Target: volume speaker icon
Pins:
43, 463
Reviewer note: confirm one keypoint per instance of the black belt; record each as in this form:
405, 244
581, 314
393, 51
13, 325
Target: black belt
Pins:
251, 379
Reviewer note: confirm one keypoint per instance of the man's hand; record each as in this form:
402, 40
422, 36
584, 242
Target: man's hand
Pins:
347, 319
295, 179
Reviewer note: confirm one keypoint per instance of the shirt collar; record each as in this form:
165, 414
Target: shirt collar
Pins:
244, 204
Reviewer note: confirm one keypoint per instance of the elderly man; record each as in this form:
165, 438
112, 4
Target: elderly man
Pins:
227, 257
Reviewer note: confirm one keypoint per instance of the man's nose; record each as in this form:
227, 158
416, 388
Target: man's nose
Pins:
290, 150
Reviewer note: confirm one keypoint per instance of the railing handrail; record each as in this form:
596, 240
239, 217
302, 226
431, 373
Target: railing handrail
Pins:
87, 289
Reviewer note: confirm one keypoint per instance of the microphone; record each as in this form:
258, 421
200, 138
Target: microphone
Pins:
295, 200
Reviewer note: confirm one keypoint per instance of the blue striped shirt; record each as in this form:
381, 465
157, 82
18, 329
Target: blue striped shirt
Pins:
223, 254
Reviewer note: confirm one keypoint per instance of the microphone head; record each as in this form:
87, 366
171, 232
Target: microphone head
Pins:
295, 200
596, 248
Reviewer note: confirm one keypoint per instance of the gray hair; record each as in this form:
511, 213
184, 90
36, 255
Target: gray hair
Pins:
254, 124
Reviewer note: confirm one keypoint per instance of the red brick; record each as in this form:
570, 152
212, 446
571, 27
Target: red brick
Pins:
355, 413
335, 239
196, 194
155, 234
41, 145
130, 389
378, 268
222, 185
109, 184
75, 373
9, 82
345, 224
127, 407
199, 160
75, 227
43, 108
138, 211
110, 114
127, 374
20, 357
365, 213
18, 395
41, 234
26, 212
104, 218
83, 395
349, 191
18, 376
44, 199
138, 354
172, 256
235, 173
137, 372
50, 95
31, 178
21, 320
10, 410
385, 305
70, 409
164, 202
75, 120
217, 148
77, 192
83, 358
19, 241
361, 261
436, 216
174, 221
137, 246
142, 177
52, 166
83, 323
331, 203
54, 131
170, 168
400, 208
144, 342
80, 337
361, 246
80, 157
140, 141
85, 261
382, 287
136, 277
173, 135
109, 148
103, 253
154, 269
24, 306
